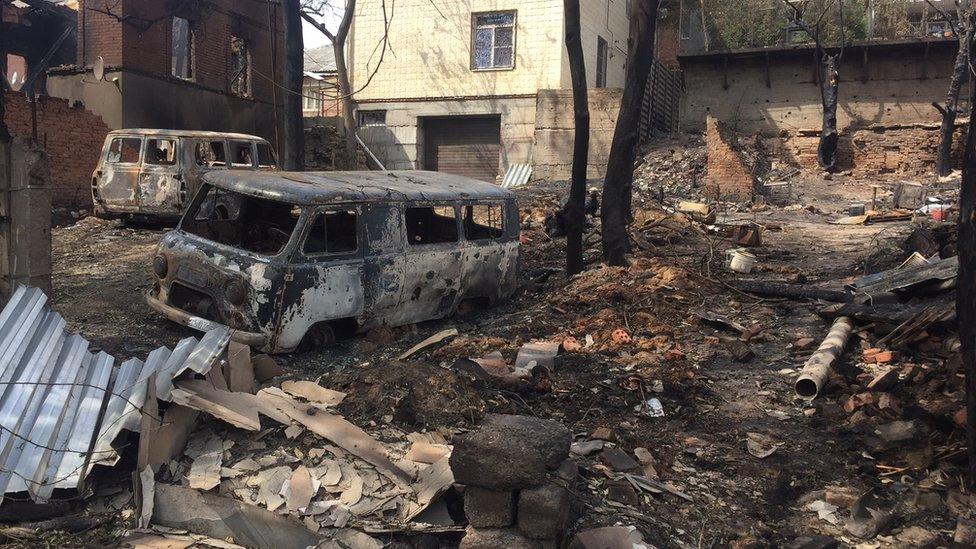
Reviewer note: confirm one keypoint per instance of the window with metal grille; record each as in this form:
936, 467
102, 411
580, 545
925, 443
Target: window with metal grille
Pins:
493, 40
240, 61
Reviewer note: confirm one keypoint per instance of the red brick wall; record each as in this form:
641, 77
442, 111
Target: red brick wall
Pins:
72, 138
666, 42
908, 149
728, 176
144, 43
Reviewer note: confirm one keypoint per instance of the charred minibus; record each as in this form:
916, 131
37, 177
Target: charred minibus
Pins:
152, 174
285, 259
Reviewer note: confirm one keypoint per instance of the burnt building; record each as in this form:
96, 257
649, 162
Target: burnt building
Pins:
177, 64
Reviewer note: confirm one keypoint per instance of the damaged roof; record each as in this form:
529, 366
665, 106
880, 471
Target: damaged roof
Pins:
184, 133
310, 188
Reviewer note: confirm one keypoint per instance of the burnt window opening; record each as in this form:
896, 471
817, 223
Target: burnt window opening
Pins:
493, 41
431, 225
124, 150
240, 59
210, 154
182, 49
161, 152
253, 224
241, 155
602, 53
16, 71
266, 158
483, 221
332, 233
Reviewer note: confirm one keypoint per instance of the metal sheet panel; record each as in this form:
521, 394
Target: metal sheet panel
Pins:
517, 175
52, 392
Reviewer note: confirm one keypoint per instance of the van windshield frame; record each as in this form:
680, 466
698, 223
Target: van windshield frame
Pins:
252, 224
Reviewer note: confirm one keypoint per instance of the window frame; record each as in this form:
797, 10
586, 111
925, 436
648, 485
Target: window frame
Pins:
310, 224
359, 118
246, 73
142, 150
433, 205
176, 152
602, 62
474, 34
490, 204
190, 57
207, 141
230, 150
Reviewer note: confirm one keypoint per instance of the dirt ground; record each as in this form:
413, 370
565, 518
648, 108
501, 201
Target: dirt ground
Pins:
710, 400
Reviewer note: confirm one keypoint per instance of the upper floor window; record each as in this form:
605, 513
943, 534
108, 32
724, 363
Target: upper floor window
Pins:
182, 49
240, 61
493, 40
602, 53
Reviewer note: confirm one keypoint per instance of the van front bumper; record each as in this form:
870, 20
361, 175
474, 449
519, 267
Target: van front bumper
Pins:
255, 340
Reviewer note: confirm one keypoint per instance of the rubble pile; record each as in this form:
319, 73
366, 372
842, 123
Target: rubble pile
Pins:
519, 485
671, 168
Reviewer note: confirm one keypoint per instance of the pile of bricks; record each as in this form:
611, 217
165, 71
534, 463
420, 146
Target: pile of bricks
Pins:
519, 486
727, 176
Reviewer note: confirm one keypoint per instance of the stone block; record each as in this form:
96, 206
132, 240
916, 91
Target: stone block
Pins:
496, 538
488, 508
545, 512
509, 452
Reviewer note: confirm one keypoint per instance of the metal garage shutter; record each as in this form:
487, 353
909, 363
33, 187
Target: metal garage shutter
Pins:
463, 146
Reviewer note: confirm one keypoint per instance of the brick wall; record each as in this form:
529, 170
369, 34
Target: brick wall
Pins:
908, 149
72, 138
727, 176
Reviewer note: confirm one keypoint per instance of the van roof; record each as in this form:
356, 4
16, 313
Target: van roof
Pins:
186, 133
311, 188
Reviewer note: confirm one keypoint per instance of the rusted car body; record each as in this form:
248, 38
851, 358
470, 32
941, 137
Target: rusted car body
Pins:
153, 173
285, 259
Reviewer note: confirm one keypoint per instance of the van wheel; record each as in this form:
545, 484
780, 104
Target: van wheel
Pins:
319, 336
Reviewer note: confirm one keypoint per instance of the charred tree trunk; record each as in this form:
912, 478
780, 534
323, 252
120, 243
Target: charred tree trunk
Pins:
623, 148
960, 74
829, 90
966, 288
574, 208
293, 155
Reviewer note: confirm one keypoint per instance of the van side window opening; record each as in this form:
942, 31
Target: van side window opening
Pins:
125, 150
332, 233
265, 156
160, 151
483, 221
240, 154
253, 224
210, 153
431, 225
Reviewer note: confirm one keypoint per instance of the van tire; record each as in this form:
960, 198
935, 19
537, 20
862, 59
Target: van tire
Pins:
319, 336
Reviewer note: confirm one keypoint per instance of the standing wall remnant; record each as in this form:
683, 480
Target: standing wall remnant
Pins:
25, 217
727, 176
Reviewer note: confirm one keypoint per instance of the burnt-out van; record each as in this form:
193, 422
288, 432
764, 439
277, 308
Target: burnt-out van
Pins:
153, 173
287, 259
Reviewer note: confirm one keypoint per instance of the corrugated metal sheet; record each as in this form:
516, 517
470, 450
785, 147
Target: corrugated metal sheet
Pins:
517, 175
52, 391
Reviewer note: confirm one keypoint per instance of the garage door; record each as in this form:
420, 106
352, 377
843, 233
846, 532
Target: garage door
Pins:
463, 146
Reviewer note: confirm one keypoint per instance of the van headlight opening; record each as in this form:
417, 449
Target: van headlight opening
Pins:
234, 292
160, 266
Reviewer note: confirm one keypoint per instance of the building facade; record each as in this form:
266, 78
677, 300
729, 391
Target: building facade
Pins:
320, 84
178, 64
459, 88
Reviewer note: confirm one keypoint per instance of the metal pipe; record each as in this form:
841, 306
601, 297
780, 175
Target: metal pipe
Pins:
370, 153
818, 366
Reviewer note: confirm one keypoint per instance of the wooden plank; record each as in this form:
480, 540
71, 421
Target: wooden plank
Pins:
896, 280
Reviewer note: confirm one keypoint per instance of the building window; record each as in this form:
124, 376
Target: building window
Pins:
182, 49
372, 118
16, 71
493, 41
240, 62
602, 51
311, 99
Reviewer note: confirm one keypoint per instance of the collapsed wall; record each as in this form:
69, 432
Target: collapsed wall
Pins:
727, 175
71, 136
